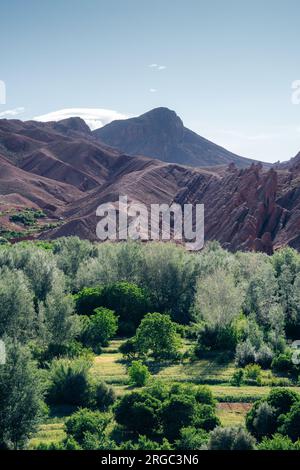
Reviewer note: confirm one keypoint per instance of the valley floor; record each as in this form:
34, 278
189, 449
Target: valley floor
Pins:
233, 402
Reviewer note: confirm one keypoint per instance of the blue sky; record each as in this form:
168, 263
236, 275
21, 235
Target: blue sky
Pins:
225, 67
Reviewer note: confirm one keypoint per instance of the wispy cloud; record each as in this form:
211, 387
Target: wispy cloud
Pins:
94, 117
153, 90
157, 66
12, 112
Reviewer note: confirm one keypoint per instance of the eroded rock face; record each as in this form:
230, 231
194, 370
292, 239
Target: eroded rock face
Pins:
244, 209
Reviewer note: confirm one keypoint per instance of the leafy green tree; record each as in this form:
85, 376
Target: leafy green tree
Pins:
206, 418
88, 299
100, 328
139, 413
104, 396
291, 423
216, 338
138, 374
129, 301
282, 399
85, 421
178, 412
59, 323
71, 252
21, 397
17, 315
157, 336
129, 349
169, 273
218, 299
144, 443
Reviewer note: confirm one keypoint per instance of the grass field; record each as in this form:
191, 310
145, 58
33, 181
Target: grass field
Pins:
234, 402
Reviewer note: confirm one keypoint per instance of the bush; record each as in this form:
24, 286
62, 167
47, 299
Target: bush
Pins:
86, 421
261, 420
69, 382
191, 439
253, 372
216, 338
237, 378
231, 438
278, 442
103, 396
282, 364
206, 418
204, 396
99, 328
138, 374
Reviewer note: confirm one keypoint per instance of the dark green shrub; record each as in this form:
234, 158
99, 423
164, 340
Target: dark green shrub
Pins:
138, 412
138, 374
69, 382
86, 421
216, 338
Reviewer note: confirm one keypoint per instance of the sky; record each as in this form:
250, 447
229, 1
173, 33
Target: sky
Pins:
226, 68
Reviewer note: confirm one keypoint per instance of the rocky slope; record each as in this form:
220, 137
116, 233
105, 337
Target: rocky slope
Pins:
64, 170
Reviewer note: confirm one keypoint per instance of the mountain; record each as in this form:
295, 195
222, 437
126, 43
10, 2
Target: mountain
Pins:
160, 134
64, 170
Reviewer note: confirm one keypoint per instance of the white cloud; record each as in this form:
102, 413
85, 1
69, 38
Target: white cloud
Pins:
157, 66
153, 90
94, 117
12, 112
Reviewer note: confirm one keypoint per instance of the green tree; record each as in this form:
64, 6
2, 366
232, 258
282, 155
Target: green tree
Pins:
21, 396
139, 413
291, 423
157, 336
218, 299
17, 314
178, 412
88, 299
100, 328
84, 423
129, 301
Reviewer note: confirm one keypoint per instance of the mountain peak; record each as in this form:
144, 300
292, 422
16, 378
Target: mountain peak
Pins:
160, 133
76, 124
